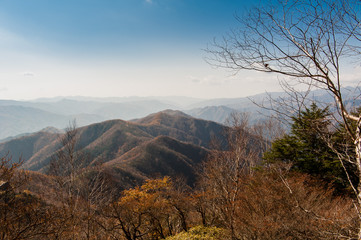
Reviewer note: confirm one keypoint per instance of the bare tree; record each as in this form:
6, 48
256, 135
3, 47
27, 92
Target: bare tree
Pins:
81, 189
309, 42
222, 173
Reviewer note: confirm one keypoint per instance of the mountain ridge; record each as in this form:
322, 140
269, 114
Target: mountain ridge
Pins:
166, 143
58, 112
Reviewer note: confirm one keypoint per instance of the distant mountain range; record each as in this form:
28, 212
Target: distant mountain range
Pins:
166, 143
23, 117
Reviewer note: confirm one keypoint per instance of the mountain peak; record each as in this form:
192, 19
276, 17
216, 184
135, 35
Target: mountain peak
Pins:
160, 117
175, 113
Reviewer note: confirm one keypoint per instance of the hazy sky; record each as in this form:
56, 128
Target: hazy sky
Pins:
118, 48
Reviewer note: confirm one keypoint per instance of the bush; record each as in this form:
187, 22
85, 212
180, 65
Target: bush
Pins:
200, 233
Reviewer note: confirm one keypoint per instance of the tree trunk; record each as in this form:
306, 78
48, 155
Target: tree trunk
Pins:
358, 162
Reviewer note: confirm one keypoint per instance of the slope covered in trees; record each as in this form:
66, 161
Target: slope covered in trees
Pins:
228, 195
167, 143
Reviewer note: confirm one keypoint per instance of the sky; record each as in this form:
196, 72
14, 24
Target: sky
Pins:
119, 48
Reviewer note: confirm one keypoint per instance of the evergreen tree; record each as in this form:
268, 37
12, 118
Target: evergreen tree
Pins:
307, 149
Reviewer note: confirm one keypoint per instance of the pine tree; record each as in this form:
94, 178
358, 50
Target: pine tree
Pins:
306, 148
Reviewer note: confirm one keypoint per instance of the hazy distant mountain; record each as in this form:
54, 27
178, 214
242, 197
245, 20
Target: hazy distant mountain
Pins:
47, 130
213, 113
19, 117
15, 120
107, 110
131, 110
178, 101
219, 109
348, 93
221, 102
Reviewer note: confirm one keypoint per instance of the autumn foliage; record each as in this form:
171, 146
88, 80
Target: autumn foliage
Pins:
235, 197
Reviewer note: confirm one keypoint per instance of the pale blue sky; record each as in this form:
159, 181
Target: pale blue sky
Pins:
119, 48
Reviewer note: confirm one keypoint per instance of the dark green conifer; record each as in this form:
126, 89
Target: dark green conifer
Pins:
306, 147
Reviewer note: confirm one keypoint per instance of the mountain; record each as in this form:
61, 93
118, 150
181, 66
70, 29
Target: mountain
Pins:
21, 117
107, 110
16, 119
218, 110
166, 143
218, 114
25, 117
183, 127
178, 101
162, 156
131, 110
26, 147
